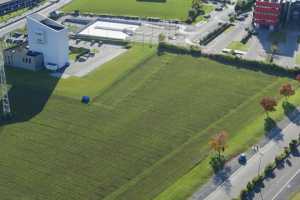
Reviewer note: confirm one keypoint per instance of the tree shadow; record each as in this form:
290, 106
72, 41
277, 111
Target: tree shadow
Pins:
222, 177
295, 152
29, 93
288, 162
291, 111
272, 130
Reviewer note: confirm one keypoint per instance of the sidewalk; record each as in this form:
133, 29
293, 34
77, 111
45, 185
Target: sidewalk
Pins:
286, 130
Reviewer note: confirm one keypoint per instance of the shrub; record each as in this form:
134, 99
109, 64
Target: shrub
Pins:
278, 160
128, 45
215, 33
268, 170
189, 20
217, 162
287, 151
193, 13
293, 145
250, 186
244, 194
195, 50
257, 180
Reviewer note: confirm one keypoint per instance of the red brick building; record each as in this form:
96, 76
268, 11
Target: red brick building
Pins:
267, 13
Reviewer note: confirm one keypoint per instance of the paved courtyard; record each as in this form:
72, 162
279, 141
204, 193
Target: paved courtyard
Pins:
260, 47
103, 54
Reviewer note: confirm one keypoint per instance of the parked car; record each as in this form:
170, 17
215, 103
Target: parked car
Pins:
242, 158
240, 18
218, 8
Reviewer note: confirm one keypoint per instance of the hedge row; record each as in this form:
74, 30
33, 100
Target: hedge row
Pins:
215, 33
165, 47
264, 67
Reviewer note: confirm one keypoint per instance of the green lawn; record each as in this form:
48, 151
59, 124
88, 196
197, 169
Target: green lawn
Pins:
169, 9
297, 57
147, 126
238, 46
295, 196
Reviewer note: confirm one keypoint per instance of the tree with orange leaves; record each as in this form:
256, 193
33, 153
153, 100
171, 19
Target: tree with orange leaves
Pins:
287, 90
218, 142
268, 104
298, 77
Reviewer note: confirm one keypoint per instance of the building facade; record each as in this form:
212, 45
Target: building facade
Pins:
8, 6
267, 13
21, 57
293, 11
49, 38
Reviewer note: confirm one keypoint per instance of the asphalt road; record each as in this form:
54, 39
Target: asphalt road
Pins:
236, 33
21, 23
203, 28
285, 183
281, 136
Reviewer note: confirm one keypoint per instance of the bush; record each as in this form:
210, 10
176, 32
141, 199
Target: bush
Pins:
254, 65
128, 46
278, 160
195, 50
217, 162
243, 5
257, 180
268, 170
287, 151
246, 38
215, 33
293, 145
250, 186
189, 20
193, 13
192, 50
244, 194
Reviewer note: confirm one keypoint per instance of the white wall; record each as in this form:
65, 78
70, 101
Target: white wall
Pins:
53, 44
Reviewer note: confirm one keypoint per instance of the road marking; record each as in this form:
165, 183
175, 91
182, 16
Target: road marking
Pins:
287, 184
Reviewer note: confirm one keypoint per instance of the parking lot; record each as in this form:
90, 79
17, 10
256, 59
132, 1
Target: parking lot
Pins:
100, 55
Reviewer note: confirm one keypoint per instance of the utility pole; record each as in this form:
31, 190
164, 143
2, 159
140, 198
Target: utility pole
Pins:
4, 98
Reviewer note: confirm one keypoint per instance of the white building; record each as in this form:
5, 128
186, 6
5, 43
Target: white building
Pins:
50, 38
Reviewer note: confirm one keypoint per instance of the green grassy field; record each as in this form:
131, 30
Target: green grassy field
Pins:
297, 58
171, 9
295, 196
147, 126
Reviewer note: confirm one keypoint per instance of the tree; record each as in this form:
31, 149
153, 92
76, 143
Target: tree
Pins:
287, 90
268, 104
197, 4
274, 48
298, 78
218, 142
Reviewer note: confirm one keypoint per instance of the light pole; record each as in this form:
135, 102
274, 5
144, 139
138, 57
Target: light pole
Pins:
259, 166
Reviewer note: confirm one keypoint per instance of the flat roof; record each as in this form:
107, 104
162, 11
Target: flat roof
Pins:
46, 21
112, 30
